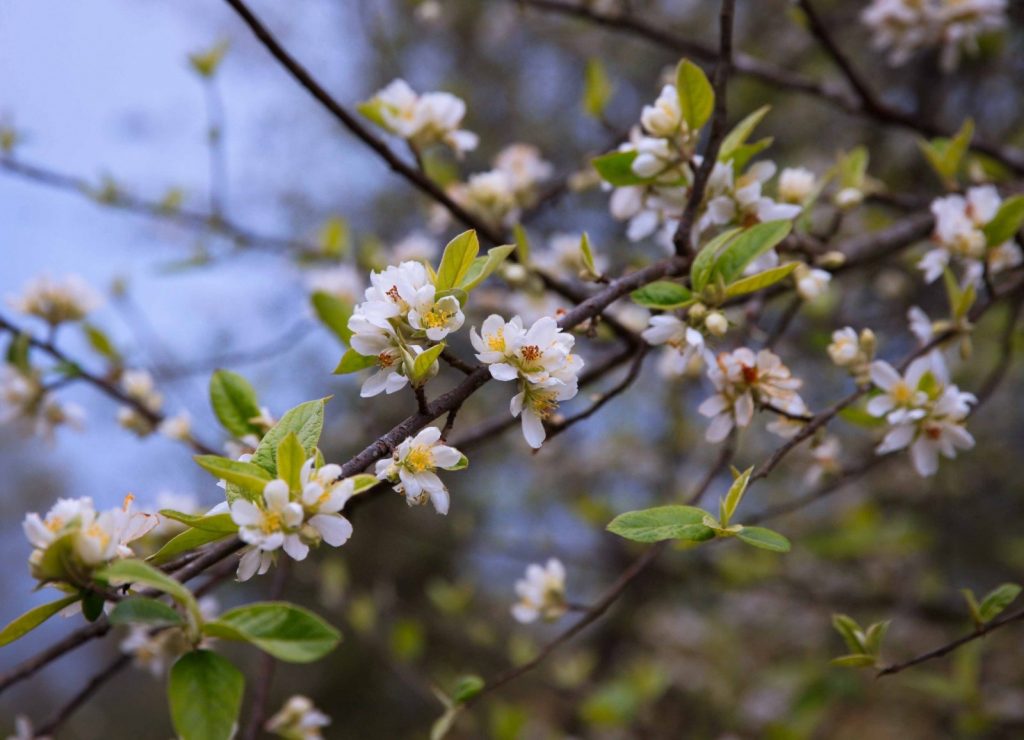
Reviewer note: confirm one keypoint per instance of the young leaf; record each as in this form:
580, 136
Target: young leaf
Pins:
247, 475
286, 631
306, 420
587, 255
734, 496
662, 523
704, 262
190, 540
616, 168
662, 294
740, 133
209, 522
972, 606
290, 459
747, 247
234, 402
364, 482
482, 267
696, 96
424, 361
33, 618
522, 244
850, 631
857, 660
92, 605
997, 600
761, 280
150, 612
100, 342
765, 539
353, 362
597, 88
467, 688
874, 636
456, 260
334, 313
1007, 221
139, 572
205, 695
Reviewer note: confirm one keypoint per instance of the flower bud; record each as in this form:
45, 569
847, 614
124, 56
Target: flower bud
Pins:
832, 259
716, 323
697, 311
849, 198
868, 343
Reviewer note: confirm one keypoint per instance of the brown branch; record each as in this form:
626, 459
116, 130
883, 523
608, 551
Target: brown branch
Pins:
267, 664
949, 647
681, 239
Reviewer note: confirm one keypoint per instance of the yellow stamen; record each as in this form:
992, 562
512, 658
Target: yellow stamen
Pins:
419, 459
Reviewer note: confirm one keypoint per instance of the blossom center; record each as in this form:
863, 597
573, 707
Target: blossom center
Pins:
531, 353
419, 459
271, 522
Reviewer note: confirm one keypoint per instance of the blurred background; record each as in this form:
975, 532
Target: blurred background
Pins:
723, 642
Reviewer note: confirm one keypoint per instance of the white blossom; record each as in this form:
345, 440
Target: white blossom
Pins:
541, 593
415, 246
825, 456
177, 427
811, 282
665, 118
796, 184
23, 400
743, 380
412, 466
57, 300
423, 120
742, 200
298, 719
684, 344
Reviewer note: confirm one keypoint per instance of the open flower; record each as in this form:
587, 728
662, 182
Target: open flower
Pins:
324, 495
423, 120
412, 468
57, 300
437, 317
541, 593
900, 391
272, 525
683, 343
741, 200
298, 719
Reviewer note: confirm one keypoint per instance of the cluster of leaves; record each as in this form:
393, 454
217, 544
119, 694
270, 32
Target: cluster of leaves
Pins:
692, 524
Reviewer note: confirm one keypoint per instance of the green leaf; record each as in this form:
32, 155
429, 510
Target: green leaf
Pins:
587, 256
1007, 221
190, 540
662, 294
972, 606
766, 539
290, 459
371, 109
850, 631
306, 420
662, 523
17, 352
100, 342
483, 267
616, 168
997, 600
704, 262
696, 96
738, 136
443, 724
467, 687
875, 635
457, 258
743, 154
57, 562
134, 571
946, 155
858, 660
761, 280
462, 464
747, 247
334, 237
205, 695
206, 63
33, 618
424, 361
353, 362
140, 610
522, 244
209, 522
597, 88
234, 402
92, 605
853, 168
286, 631
734, 496
248, 475
363, 482
334, 313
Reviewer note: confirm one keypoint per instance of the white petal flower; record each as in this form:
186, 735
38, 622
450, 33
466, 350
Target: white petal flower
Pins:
541, 593
298, 719
57, 300
411, 468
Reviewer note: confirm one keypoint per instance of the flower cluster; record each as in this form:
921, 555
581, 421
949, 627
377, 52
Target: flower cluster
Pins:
23, 398
411, 468
924, 411
541, 593
743, 381
902, 27
57, 301
499, 195
298, 719
401, 306
683, 340
156, 650
422, 120
959, 236
93, 538
539, 358
292, 520
853, 351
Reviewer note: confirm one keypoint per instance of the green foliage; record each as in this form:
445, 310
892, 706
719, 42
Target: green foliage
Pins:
704, 263
101, 343
466, 688
17, 352
424, 362
616, 168
727, 506
992, 604
946, 155
142, 610
696, 96
213, 528
205, 695
353, 362
662, 523
334, 313
335, 237
747, 247
1007, 221
21, 626
737, 137
290, 459
597, 88
307, 422
286, 631
661, 294
760, 281
140, 573
587, 258
457, 259
766, 539
248, 476
864, 645
482, 267
234, 403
